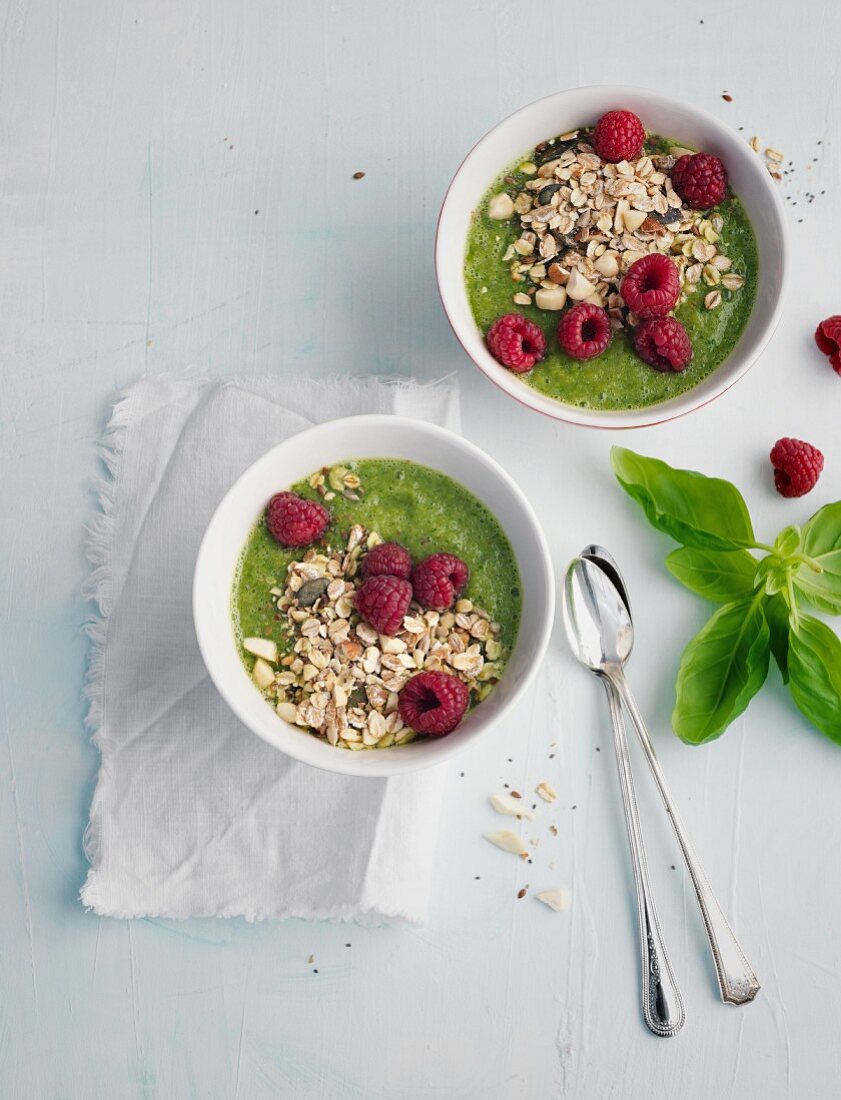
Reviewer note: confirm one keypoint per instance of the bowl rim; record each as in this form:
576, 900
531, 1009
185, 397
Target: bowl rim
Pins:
647, 416
436, 750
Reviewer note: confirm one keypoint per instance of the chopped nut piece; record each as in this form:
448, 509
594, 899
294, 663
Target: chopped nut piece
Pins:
262, 674
261, 647
508, 842
501, 207
546, 792
512, 807
558, 899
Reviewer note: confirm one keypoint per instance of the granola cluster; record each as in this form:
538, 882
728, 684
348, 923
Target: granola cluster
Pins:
585, 221
341, 680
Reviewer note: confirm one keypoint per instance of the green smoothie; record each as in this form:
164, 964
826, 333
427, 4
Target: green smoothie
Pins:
617, 379
403, 502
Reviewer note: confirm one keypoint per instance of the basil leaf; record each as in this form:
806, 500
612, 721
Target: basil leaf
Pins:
721, 670
788, 541
822, 543
716, 574
699, 511
776, 615
772, 575
815, 668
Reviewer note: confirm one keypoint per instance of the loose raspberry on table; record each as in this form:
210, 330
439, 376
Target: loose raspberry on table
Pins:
433, 703
438, 580
516, 342
383, 602
651, 287
619, 135
389, 559
663, 343
584, 331
828, 339
700, 179
294, 521
797, 466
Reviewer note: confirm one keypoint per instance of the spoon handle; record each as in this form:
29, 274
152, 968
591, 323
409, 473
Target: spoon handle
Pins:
662, 1004
736, 979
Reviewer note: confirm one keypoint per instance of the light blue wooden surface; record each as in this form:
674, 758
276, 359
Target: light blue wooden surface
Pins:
176, 196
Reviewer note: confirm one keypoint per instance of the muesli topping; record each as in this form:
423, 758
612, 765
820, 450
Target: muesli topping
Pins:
585, 221
342, 679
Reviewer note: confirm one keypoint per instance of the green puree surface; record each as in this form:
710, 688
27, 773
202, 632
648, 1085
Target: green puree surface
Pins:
404, 502
617, 379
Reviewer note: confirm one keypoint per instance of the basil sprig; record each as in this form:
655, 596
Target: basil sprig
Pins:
726, 663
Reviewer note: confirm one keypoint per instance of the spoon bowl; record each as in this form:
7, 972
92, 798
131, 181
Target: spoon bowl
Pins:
596, 617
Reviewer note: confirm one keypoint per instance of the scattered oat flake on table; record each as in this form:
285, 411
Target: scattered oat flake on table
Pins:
546, 792
513, 807
508, 842
558, 899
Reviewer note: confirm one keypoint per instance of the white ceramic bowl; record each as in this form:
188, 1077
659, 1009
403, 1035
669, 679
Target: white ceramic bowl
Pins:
367, 437
568, 110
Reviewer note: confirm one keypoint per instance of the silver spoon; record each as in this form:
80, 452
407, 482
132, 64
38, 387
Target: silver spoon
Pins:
737, 982
662, 1004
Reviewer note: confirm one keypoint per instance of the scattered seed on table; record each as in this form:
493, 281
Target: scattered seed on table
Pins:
522, 893
358, 175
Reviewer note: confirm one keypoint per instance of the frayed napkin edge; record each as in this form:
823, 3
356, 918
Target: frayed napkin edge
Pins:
97, 589
340, 914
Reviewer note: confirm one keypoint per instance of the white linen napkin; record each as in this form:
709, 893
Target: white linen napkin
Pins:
192, 814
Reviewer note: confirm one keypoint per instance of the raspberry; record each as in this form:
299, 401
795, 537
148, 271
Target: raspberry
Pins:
652, 286
828, 339
700, 179
516, 342
438, 580
619, 135
294, 521
388, 559
663, 343
584, 331
383, 601
433, 703
797, 466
